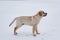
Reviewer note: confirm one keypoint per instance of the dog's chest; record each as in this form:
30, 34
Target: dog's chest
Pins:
36, 20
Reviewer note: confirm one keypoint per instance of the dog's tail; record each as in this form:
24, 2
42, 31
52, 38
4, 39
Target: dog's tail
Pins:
12, 22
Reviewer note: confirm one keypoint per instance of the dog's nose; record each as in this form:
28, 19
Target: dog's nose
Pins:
46, 13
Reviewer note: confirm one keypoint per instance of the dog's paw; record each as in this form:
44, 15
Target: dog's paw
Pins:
15, 33
34, 34
37, 33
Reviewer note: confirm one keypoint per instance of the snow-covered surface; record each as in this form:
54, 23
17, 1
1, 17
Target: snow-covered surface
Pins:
49, 27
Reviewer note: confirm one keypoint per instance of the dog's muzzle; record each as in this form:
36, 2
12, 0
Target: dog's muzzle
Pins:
45, 14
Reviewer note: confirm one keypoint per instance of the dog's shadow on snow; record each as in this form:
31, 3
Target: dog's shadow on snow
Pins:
24, 34
30, 36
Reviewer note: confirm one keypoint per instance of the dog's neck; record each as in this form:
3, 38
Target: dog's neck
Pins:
37, 17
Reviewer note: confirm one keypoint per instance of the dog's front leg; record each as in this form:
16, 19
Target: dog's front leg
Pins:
34, 30
37, 30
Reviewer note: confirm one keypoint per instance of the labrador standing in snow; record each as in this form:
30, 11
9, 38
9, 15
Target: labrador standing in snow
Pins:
29, 20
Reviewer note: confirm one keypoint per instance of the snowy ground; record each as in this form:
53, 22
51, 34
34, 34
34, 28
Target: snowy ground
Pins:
49, 27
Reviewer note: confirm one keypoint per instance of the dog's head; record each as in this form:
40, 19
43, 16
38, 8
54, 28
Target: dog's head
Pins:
42, 13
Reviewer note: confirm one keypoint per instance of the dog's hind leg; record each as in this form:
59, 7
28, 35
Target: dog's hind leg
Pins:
15, 29
15, 33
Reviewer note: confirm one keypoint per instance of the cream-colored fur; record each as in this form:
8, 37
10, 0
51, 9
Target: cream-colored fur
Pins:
28, 20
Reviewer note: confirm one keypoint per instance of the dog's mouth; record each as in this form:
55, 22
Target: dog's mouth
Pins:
45, 14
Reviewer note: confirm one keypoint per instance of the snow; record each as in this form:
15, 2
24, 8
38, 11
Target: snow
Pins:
49, 27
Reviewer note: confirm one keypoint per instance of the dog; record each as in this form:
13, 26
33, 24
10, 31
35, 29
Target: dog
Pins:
29, 20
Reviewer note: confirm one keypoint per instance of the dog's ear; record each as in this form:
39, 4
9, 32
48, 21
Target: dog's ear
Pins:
40, 13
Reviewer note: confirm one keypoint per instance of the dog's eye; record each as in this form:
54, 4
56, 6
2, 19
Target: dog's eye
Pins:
43, 12
40, 13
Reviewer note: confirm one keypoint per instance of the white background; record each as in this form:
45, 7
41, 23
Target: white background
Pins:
49, 27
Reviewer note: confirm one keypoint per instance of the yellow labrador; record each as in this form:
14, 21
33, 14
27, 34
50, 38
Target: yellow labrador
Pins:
29, 20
